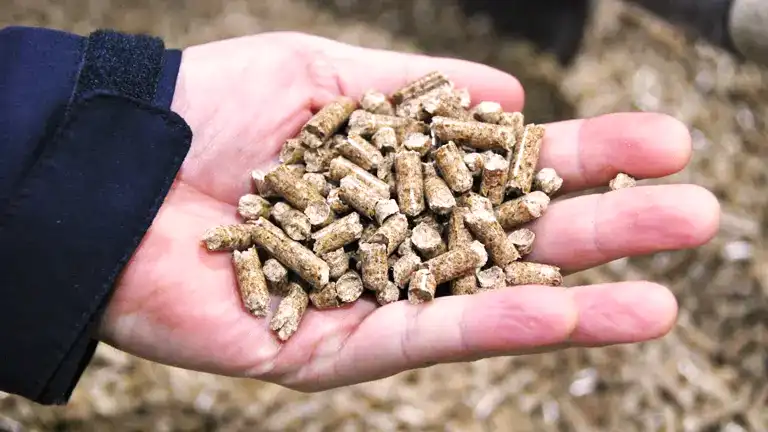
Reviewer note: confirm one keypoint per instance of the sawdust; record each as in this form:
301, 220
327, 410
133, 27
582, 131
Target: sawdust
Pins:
709, 374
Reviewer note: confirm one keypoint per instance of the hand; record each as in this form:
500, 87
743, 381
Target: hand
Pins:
178, 304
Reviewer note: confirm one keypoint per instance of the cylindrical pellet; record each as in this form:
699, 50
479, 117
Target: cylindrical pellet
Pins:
410, 182
375, 269
319, 182
519, 211
548, 181
420, 86
458, 235
530, 273
260, 184
488, 230
229, 237
293, 222
422, 287
251, 281
327, 121
359, 151
385, 139
291, 187
252, 207
325, 298
491, 278
376, 102
363, 123
514, 121
439, 197
392, 233
360, 197
494, 178
487, 112
387, 295
418, 142
482, 136
338, 262
338, 234
385, 209
451, 165
525, 157
349, 287
276, 274
475, 202
523, 240
289, 312
341, 167
319, 213
428, 241
457, 262
291, 253
403, 268
318, 160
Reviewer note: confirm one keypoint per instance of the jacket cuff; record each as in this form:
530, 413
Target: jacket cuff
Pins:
81, 209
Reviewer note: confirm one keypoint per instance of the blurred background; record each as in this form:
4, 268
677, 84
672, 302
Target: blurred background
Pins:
709, 374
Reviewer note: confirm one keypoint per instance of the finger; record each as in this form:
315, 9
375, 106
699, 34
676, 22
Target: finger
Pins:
591, 230
617, 313
589, 153
401, 336
350, 70
627, 312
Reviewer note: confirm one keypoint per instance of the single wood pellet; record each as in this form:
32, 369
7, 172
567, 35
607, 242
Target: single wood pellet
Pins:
376, 102
375, 268
530, 273
410, 182
252, 207
439, 197
341, 167
359, 151
523, 240
428, 241
229, 237
290, 253
525, 157
293, 222
512, 214
548, 181
491, 278
454, 171
422, 287
390, 197
488, 230
290, 311
251, 281
327, 121
338, 234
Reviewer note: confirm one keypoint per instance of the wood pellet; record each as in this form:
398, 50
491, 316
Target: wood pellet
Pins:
385, 199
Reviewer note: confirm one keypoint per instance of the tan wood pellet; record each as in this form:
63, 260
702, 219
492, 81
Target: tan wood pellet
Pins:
451, 166
293, 222
392, 233
481, 136
622, 181
341, 167
511, 214
404, 267
421, 287
375, 269
530, 273
359, 151
292, 151
440, 199
491, 278
252, 207
338, 234
327, 121
319, 182
488, 230
338, 262
229, 237
525, 158
251, 281
376, 102
292, 188
523, 240
548, 181
290, 311
427, 241
494, 178
349, 287
410, 182
457, 262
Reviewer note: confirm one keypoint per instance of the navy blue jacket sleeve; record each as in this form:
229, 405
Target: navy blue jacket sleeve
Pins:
88, 151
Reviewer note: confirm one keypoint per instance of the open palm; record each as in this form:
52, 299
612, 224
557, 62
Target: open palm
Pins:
178, 304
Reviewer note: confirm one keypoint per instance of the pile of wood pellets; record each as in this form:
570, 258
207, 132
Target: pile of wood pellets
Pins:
408, 196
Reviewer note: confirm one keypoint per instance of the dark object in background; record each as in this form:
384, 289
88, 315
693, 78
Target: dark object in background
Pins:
557, 26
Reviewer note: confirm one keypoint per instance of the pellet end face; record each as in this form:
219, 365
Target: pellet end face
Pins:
421, 288
622, 181
548, 181
388, 294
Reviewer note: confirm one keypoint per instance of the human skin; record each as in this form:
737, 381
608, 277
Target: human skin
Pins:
177, 304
